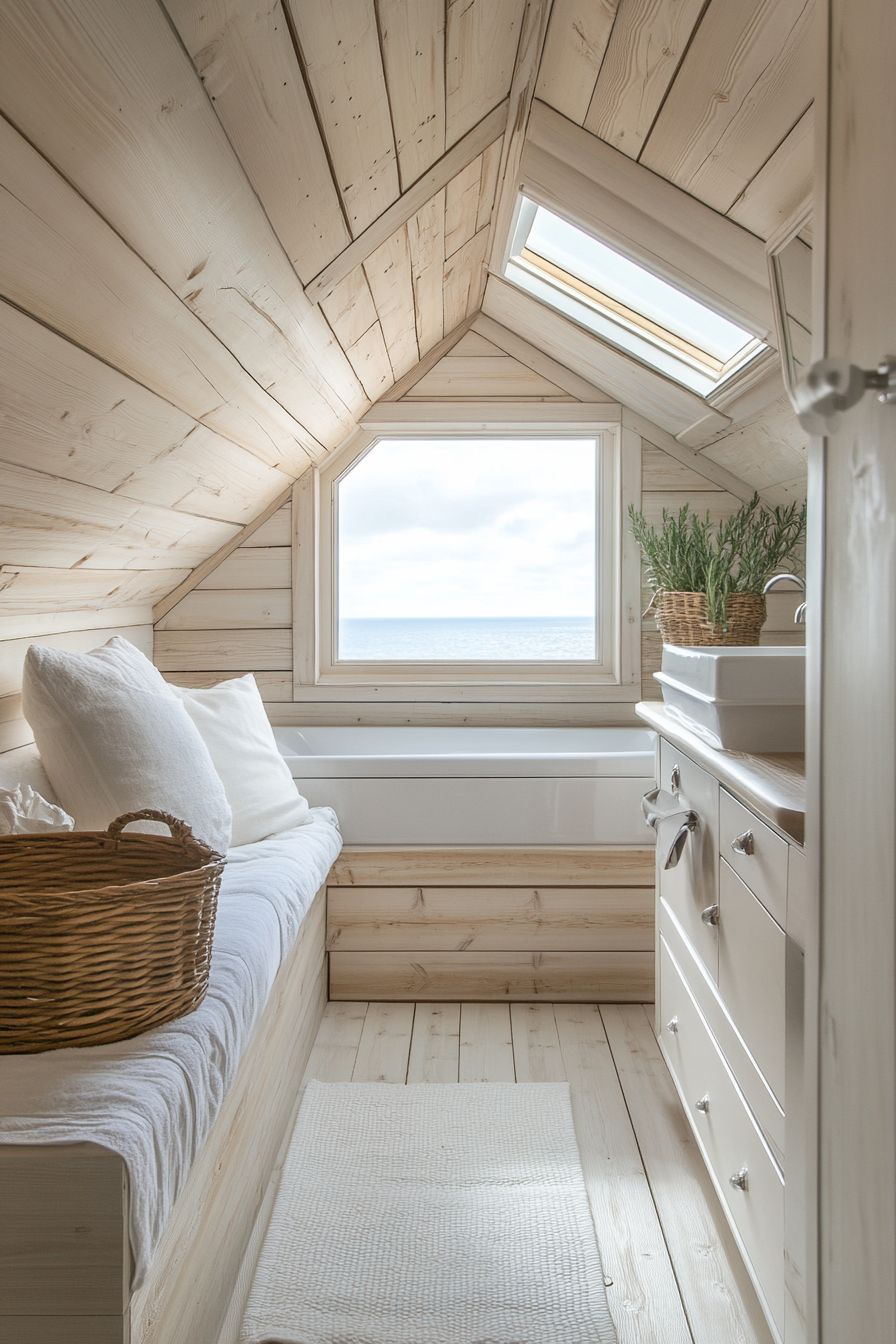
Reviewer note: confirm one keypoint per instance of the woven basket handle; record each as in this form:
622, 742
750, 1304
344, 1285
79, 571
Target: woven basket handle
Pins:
179, 829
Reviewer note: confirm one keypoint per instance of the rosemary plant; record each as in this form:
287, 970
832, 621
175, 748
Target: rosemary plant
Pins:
689, 554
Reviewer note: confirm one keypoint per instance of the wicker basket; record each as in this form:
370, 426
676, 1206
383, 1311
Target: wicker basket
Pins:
103, 935
681, 618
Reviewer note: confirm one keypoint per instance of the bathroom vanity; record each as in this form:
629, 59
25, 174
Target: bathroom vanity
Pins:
731, 919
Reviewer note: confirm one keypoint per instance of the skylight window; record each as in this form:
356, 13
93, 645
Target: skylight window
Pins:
624, 303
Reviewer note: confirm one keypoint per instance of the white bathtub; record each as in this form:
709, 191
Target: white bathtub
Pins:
477, 786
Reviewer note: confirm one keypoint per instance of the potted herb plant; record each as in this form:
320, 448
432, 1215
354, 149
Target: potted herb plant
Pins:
707, 579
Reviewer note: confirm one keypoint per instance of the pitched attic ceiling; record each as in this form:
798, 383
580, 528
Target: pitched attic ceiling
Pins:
231, 227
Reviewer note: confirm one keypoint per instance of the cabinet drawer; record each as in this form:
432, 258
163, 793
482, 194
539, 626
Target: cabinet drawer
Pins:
692, 886
763, 862
752, 951
729, 1138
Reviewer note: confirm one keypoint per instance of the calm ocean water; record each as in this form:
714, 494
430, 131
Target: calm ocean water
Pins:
489, 639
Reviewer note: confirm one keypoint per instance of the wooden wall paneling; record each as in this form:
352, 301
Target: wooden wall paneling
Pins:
227, 265
485, 133
251, 567
341, 53
304, 575
642, 58
486, 1044
463, 280
768, 448
429, 711
462, 207
370, 360
34, 625
481, 43
472, 866
12, 651
15, 731
388, 271
427, 362
245, 58
230, 609
511, 343
64, 412
224, 650
30, 590
784, 181
274, 687
711, 471
577, 38
435, 1044
50, 520
412, 37
275, 531
488, 183
426, 244
62, 263
385, 1044
443, 416
659, 471
480, 378
351, 312
746, 80
717, 503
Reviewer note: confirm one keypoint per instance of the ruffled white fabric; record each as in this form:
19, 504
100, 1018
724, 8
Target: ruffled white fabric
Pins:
154, 1099
24, 812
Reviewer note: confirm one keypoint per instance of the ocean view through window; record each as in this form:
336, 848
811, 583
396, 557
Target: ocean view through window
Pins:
469, 550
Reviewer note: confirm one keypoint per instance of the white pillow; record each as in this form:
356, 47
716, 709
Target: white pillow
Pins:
235, 728
113, 738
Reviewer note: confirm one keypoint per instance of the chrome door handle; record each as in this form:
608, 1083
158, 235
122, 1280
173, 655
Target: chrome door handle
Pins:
675, 779
702, 1104
672, 1025
743, 844
710, 915
740, 1179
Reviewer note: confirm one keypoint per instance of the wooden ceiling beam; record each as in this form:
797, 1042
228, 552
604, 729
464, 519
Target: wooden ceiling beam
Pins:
474, 143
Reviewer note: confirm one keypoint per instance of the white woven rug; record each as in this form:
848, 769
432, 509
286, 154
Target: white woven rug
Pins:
431, 1214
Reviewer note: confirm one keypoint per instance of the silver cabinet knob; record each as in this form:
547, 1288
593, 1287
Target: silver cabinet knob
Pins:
740, 1179
702, 1104
672, 1025
710, 915
743, 844
675, 778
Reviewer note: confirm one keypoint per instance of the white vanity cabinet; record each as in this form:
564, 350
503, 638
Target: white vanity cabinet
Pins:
730, 921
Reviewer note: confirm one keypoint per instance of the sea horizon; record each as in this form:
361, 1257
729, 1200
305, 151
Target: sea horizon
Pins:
466, 638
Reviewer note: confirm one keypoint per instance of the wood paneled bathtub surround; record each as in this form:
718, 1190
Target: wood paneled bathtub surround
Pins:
480, 923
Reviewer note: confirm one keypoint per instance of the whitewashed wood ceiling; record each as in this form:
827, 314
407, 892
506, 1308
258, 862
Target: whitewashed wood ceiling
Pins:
229, 226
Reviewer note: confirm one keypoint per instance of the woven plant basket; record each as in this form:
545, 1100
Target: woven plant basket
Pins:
681, 618
103, 935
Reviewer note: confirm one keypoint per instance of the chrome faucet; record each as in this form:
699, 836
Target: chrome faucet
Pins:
799, 616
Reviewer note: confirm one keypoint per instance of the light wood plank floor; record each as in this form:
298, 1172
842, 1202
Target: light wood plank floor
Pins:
673, 1273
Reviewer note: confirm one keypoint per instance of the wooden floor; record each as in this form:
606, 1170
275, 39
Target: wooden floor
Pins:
673, 1272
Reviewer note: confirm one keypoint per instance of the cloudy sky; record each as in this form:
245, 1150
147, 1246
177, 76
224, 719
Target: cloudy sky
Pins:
469, 527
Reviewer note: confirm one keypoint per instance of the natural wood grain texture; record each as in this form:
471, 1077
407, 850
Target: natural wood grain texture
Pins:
765, 448
66, 413
385, 1043
746, 79
512, 343
388, 271
47, 519
335, 1050
229, 609
717, 503
69, 269
185, 1295
245, 58
64, 1238
427, 711
427, 362
488, 183
578, 34
712, 472
486, 919
14, 730
275, 531
29, 591
462, 207
643, 1295
659, 471
536, 1045
716, 1291
489, 129
226, 265
477, 379
273, 686
412, 35
435, 1044
370, 360
642, 58
426, 245
252, 567
226, 650
463, 280
341, 52
486, 1044
481, 42
33, 626
782, 183
304, 574
493, 866
349, 308
578, 977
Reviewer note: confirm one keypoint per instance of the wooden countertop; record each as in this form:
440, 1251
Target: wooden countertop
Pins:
772, 784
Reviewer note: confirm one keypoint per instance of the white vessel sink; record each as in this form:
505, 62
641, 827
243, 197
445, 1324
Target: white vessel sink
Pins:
738, 699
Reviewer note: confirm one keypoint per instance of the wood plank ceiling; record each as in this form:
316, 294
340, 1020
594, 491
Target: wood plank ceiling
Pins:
229, 227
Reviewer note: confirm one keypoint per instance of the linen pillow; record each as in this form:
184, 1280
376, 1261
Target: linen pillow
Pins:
113, 738
234, 726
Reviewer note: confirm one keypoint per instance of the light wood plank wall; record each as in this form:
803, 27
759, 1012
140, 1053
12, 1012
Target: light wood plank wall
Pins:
238, 619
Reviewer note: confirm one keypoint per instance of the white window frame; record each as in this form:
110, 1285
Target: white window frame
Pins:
616, 677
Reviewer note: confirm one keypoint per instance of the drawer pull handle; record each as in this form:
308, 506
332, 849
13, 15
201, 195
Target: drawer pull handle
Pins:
675, 779
743, 844
740, 1179
672, 1025
702, 1104
710, 915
